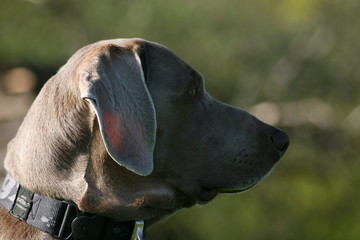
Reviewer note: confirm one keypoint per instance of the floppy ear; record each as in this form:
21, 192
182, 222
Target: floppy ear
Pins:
113, 83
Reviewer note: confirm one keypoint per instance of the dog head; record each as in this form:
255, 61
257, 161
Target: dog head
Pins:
137, 136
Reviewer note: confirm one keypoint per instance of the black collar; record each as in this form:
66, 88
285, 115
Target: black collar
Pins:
62, 219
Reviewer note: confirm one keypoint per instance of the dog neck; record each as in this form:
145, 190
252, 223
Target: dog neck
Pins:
52, 140
62, 219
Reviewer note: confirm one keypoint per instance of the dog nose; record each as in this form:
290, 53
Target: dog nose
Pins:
280, 140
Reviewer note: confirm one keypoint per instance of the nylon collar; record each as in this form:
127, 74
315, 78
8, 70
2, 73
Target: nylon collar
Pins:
62, 219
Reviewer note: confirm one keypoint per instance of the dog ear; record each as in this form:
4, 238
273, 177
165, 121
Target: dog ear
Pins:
113, 83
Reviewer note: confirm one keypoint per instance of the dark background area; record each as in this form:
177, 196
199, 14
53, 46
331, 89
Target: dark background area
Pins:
292, 63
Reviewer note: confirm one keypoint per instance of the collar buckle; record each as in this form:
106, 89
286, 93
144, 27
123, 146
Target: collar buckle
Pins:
70, 213
76, 224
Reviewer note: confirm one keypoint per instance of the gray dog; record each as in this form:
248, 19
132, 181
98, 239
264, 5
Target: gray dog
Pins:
125, 132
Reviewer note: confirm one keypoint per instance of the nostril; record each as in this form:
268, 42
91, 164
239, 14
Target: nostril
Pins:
280, 140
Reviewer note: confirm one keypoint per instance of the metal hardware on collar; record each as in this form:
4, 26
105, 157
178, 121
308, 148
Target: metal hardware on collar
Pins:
62, 219
70, 213
138, 230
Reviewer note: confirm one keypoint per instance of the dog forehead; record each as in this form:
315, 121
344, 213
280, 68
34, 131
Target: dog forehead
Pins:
158, 53
167, 67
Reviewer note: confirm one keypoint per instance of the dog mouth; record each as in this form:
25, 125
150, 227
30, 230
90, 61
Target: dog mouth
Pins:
237, 190
207, 194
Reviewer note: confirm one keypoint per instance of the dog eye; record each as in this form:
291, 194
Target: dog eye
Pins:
193, 92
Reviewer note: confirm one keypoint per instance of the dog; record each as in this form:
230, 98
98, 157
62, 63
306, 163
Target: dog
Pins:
126, 131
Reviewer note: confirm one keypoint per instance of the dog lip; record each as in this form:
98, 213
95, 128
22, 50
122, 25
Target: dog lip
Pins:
206, 194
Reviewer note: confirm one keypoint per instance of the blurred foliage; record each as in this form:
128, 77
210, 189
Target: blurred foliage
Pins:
300, 57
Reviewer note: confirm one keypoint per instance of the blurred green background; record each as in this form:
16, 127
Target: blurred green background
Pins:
292, 63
